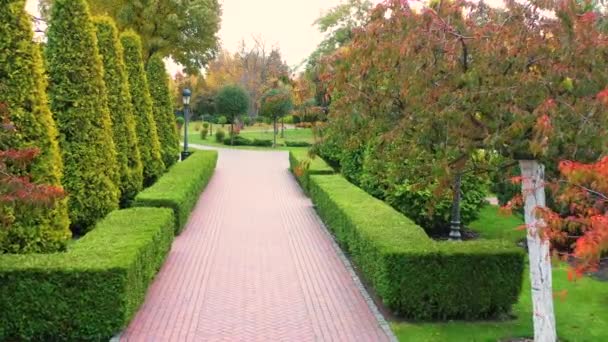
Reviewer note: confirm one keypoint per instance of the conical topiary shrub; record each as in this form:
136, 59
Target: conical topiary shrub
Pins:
79, 105
23, 97
158, 81
121, 109
149, 145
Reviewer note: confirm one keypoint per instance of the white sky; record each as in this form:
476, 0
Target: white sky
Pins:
283, 23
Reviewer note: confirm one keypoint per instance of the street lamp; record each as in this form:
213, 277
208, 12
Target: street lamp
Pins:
186, 98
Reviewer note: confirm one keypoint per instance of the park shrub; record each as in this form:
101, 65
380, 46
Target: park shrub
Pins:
79, 104
220, 135
302, 166
162, 109
180, 187
415, 276
179, 122
90, 292
238, 140
121, 109
262, 142
297, 143
23, 97
147, 132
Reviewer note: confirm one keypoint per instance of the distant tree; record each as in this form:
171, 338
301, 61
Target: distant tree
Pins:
232, 101
121, 109
149, 144
276, 103
79, 104
28, 144
186, 31
158, 81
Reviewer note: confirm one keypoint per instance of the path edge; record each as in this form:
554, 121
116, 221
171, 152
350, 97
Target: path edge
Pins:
382, 322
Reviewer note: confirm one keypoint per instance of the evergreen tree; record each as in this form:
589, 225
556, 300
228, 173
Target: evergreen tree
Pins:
79, 104
149, 145
121, 109
24, 101
158, 80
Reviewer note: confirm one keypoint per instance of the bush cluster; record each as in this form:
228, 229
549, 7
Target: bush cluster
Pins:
23, 96
90, 292
180, 188
416, 277
79, 104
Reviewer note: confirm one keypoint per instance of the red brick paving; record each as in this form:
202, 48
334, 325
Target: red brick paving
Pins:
254, 264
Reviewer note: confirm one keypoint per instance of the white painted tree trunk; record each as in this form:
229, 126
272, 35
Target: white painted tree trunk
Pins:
533, 191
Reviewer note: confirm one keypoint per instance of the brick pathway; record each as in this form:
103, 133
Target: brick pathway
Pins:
254, 264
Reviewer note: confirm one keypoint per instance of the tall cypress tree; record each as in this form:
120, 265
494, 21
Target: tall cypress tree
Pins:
22, 93
121, 109
149, 145
158, 80
79, 105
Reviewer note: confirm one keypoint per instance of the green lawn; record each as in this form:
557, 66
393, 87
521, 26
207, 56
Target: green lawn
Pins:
581, 316
255, 132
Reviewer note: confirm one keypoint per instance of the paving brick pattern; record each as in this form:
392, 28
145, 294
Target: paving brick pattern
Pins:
254, 264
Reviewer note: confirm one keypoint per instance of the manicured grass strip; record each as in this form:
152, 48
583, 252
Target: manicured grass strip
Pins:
415, 276
492, 224
303, 166
180, 188
93, 290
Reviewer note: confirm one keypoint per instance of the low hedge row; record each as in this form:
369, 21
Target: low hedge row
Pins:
180, 187
303, 166
415, 276
242, 141
90, 292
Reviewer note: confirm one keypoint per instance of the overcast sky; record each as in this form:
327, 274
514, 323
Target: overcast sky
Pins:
284, 23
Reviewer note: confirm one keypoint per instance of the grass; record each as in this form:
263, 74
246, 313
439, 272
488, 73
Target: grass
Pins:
258, 131
492, 224
582, 314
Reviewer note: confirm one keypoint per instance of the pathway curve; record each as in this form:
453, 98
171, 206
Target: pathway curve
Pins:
254, 264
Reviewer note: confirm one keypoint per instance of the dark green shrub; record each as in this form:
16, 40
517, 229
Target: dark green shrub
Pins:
204, 133
247, 121
179, 189
149, 144
23, 92
297, 143
90, 292
237, 140
158, 80
179, 122
79, 104
220, 135
262, 142
121, 109
416, 277
222, 120
302, 166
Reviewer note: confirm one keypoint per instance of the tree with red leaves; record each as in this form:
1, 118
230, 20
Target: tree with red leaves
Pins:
439, 85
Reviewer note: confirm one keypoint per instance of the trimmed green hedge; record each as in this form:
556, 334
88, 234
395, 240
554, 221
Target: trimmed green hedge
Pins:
180, 187
415, 276
302, 166
90, 292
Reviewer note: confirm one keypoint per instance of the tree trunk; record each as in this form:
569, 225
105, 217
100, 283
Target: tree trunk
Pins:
231, 135
282, 127
455, 219
533, 191
274, 144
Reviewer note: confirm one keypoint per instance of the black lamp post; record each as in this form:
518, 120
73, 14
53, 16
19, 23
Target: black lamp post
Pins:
455, 222
186, 98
